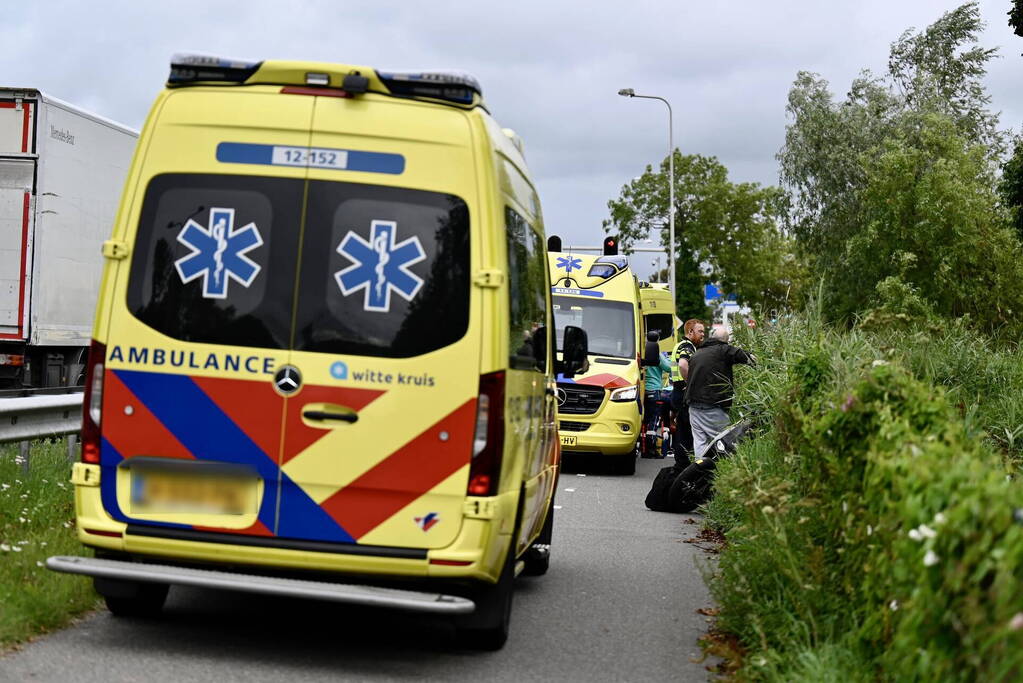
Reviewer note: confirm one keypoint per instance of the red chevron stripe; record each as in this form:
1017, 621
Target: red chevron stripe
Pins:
140, 433
408, 473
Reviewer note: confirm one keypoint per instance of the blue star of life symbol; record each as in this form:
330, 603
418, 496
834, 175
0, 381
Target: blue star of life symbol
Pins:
218, 253
380, 266
569, 263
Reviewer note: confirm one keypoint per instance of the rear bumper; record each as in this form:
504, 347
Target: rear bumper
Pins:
477, 553
353, 594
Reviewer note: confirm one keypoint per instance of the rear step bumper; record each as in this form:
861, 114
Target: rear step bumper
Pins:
414, 601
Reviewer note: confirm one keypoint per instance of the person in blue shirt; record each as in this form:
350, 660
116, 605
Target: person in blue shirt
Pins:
655, 376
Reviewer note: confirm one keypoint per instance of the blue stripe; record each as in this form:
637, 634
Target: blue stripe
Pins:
205, 430
358, 160
238, 153
376, 162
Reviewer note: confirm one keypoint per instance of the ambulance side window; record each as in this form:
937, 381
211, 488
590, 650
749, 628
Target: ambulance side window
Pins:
527, 287
660, 323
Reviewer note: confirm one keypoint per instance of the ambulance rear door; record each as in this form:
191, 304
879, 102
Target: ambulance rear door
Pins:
387, 331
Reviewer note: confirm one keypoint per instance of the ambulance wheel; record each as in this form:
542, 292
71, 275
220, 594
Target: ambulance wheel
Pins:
130, 598
487, 627
537, 558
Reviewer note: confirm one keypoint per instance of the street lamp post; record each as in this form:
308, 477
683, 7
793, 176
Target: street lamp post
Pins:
629, 92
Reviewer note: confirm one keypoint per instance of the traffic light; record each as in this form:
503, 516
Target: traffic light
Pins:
610, 246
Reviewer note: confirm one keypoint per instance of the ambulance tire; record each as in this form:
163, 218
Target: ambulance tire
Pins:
130, 598
537, 558
487, 627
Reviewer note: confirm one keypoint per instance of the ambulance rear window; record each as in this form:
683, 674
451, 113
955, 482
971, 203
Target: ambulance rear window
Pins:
385, 271
214, 259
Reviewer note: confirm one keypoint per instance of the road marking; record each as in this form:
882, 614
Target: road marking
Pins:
570, 490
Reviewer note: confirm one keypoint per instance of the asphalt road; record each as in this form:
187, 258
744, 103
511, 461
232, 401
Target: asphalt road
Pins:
618, 604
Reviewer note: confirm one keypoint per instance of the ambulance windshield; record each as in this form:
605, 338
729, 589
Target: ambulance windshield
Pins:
609, 325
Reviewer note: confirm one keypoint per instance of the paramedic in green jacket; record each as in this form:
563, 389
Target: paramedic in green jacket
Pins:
692, 339
655, 376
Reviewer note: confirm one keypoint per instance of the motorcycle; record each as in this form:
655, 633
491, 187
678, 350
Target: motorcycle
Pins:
694, 486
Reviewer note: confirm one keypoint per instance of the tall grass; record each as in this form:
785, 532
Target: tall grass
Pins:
37, 521
872, 527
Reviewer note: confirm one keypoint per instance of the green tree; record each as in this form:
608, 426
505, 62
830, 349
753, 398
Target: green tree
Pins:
1010, 188
725, 232
1016, 17
897, 180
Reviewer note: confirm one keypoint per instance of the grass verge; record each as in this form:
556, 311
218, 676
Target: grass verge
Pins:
37, 521
875, 527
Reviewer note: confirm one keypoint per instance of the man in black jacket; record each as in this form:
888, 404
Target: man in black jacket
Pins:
710, 391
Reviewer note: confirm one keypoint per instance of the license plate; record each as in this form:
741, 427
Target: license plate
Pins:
568, 440
170, 491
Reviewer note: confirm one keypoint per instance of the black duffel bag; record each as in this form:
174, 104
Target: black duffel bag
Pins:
657, 499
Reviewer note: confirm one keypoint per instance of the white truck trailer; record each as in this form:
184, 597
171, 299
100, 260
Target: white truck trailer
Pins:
62, 170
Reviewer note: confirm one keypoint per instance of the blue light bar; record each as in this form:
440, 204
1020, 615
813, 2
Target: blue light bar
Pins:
186, 68
453, 86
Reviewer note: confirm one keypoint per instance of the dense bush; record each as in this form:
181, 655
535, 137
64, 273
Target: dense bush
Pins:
872, 529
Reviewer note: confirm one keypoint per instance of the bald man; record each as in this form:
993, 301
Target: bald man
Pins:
711, 389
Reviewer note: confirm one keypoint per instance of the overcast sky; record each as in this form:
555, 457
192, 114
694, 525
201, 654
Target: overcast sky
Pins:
550, 70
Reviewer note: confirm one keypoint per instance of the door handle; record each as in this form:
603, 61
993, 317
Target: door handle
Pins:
326, 415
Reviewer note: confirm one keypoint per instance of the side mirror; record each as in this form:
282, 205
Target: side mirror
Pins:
539, 344
574, 355
651, 354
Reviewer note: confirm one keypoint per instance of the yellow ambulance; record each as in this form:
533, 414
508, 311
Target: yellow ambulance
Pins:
659, 314
600, 410
321, 362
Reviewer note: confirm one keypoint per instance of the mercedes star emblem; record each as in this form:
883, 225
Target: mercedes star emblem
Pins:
288, 379
562, 396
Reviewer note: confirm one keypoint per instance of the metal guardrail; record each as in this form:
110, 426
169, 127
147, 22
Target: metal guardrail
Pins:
38, 416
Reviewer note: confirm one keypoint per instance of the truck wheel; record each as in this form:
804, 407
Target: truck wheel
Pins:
132, 599
537, 557
487, 627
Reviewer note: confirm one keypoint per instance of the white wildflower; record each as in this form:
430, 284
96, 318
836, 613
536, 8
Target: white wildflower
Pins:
4, 487
870, 530
926, 531
767, 510
878, 362
893, 605
39, 564
16, 548
845, 506
1016, 623
22, 520
940, 518
22, 542
24, 496
4, 547
915, 535
930, 559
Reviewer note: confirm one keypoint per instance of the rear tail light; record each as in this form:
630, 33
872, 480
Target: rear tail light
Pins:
92, 403
488, 442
